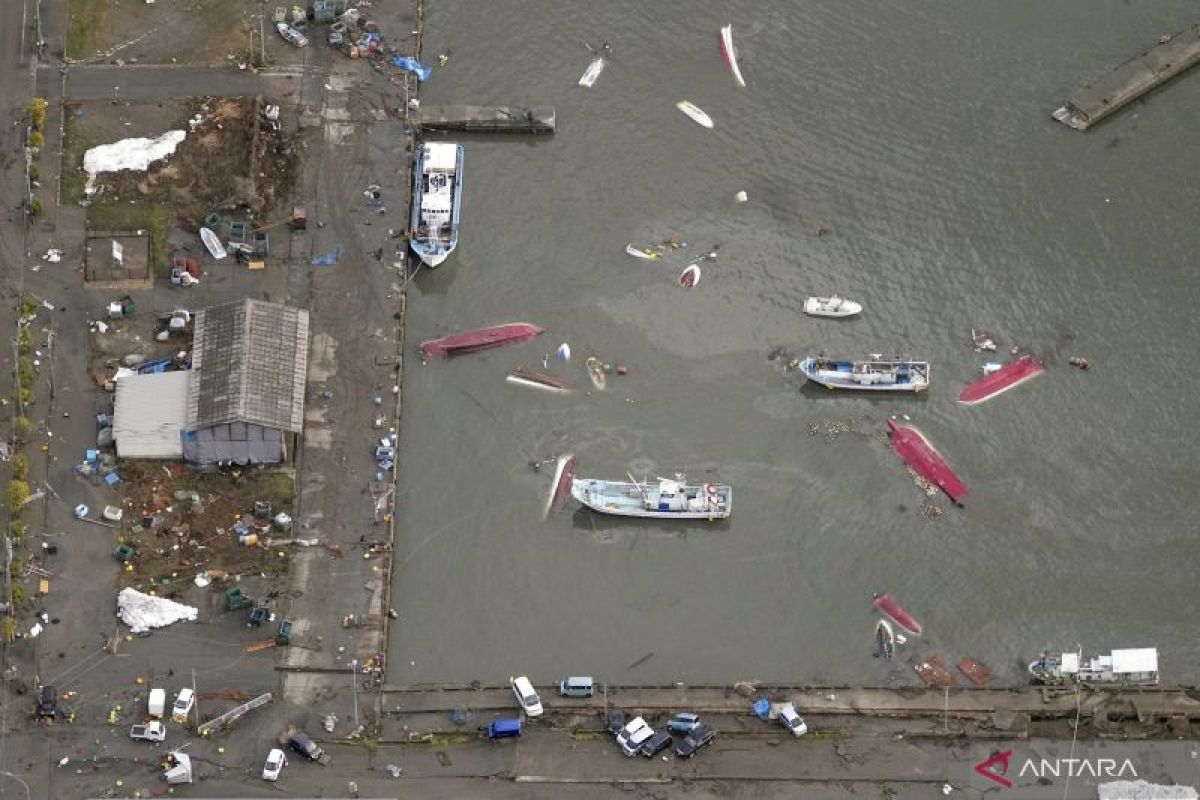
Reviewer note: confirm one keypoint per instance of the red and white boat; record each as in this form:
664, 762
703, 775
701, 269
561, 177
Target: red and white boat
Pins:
1003, 379
916, 451
730, 54
898, 615
478, 339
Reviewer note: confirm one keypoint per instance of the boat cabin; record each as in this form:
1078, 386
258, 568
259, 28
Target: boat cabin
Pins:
1138, 666
437, 191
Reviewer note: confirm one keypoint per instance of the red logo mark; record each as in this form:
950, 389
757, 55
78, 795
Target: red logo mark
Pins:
995, 768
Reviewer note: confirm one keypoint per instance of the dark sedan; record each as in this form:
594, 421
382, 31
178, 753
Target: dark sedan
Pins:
700, 737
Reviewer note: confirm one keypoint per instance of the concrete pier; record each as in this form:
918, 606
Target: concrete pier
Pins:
489, 119
1131, 80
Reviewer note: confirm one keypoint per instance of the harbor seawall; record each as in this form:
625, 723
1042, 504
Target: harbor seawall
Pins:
1131, 80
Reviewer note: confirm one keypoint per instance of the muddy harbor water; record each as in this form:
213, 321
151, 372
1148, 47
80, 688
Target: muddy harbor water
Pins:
921, 137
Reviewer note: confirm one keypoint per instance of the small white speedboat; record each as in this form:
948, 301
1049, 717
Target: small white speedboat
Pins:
693, 111
593, 72
213, 243
833, 306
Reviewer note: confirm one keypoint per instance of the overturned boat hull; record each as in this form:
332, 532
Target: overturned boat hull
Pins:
729, 52
479, 339
916, 451
897, 614
1000, 381
523, 376
885, 639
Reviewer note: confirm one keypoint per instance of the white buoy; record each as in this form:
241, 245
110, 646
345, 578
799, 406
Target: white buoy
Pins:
742, 197
563, 352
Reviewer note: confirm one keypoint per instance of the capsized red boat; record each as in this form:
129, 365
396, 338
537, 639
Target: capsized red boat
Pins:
905, 620
478, 339
1001, 380
918, 453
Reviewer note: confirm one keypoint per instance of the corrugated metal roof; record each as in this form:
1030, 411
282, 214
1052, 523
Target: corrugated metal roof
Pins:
250, 360
1143, 659
150, 413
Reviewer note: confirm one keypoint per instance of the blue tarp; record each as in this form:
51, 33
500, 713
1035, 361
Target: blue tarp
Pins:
329, 259
412, 65
762, 707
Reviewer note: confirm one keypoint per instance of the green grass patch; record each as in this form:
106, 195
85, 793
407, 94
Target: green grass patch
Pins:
123, 215
86, 20
73, 179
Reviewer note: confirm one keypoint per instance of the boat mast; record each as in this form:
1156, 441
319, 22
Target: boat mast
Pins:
638, 485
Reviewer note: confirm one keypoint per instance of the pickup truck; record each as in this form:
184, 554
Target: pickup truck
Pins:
151, 732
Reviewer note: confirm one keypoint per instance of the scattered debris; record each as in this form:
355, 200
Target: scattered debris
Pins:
1078, 361
741, 197
144, 612
129, 154
934, 673
53, 255
983, 341
975, 671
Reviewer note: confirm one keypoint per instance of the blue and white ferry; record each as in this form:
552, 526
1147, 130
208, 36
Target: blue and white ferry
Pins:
437, 201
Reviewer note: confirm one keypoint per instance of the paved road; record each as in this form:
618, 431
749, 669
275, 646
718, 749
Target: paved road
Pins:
141, 84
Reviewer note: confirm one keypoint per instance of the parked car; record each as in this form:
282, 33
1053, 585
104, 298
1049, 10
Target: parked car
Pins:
526, 696
504, 728
700, 737
614, 720
183, 705
683, 723
577, 687
276, 761
789, 719
656, 744
47, 702
634, 735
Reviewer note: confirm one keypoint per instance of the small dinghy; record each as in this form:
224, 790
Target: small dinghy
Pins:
593, 72
213, 243
595, 371
730, 54
690, 276
646, 254
833, 306
693, 111
898, 615
885, 640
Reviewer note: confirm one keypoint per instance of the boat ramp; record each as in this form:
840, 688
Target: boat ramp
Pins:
488, 119
1172, 56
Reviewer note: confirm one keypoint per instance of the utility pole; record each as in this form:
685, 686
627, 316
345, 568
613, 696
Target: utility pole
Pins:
195, 699
354, 689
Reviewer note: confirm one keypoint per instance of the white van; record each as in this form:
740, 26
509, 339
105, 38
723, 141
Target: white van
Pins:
157, 703
526, 696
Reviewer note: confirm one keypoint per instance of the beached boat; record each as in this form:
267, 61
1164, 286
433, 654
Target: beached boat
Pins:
1012, 374
478, 339
898, 615
437, 201
291, 35
885, 639
872, 375
916, 451
832, 306
1138, 667
730, 54
693, 111
213, 243
669, 499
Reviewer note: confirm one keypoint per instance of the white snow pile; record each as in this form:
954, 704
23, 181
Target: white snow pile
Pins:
136, 154
143, 612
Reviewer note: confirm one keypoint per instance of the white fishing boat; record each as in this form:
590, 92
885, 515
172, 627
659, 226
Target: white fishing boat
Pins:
693, 111
669, 499
437, 201
872, 375
645, 254
593, 72
730, 54
213, 243
833, 306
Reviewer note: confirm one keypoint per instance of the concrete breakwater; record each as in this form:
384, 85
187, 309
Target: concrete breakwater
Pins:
1171, 57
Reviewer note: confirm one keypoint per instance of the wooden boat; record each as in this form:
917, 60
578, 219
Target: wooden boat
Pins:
916, 451
593, 72
690, 276
524, 376
213, 243
669, 499
898, 615
730, 54
693, 111
437, 201
885, 640
479, 339
1003, 379
874, 375
832, 306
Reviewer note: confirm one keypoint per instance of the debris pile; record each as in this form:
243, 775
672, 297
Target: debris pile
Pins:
144, 612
